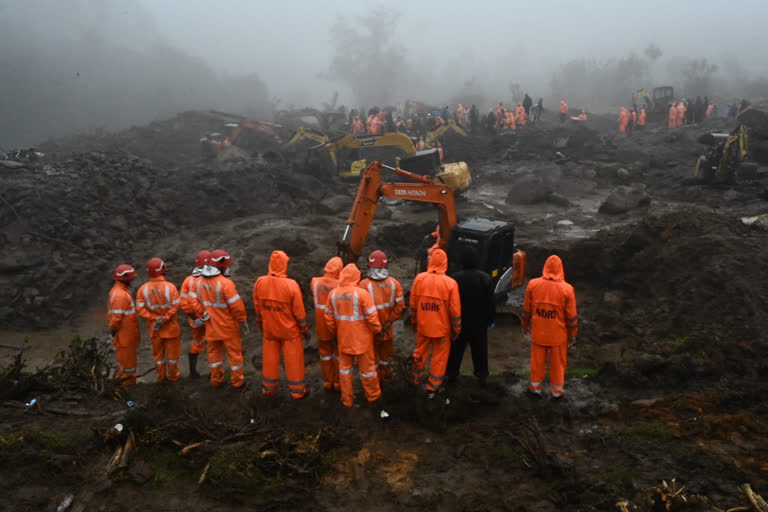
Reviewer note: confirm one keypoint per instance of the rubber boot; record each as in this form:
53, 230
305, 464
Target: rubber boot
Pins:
193, 366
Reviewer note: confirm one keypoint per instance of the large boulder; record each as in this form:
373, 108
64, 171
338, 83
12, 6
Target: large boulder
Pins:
756, 118
529, 189
624, 198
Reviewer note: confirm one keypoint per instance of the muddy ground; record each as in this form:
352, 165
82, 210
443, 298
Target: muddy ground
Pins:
667, 380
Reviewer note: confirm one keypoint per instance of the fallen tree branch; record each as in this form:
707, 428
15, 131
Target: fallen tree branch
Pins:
758, 503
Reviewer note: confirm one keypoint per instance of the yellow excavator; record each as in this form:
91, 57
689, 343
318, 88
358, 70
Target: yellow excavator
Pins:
451, 125
724, 154
456, 175
655, 101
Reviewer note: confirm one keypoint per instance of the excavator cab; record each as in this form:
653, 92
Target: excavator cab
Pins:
494, 241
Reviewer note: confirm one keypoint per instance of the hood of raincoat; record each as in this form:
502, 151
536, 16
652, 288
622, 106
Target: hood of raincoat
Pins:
350, 275
333, 267
438, 262
278, 264
553, 269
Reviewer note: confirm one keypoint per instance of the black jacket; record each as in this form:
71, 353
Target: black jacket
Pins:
478, 304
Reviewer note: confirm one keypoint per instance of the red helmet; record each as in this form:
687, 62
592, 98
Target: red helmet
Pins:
156, 267
378, 259
220, 259
124, 273
203, 257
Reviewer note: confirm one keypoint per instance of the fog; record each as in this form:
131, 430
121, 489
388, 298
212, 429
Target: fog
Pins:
87, 65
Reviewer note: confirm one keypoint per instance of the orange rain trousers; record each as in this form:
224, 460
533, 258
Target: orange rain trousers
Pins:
441, 349
366, 364
166, 352
384, 350
329, 363
198, 340
234, 349
126, 364
293, 359
557, 356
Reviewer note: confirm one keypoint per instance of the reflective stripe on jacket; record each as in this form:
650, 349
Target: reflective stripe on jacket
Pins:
387, 295
121, 316
435, 302
321, 287
351, 314
218, 296
278, 302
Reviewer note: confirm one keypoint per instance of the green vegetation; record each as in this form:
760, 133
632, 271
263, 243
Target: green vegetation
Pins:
620, 477
654, 430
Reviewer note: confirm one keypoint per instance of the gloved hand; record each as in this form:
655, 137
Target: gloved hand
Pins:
199, 322
244, 325
527, 334
159, 323
571, 341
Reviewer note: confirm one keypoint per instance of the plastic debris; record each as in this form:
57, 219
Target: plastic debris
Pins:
131, 403
31, 402
384, 414
118, 427
65, 503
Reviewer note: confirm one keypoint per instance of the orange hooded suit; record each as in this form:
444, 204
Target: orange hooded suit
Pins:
327, 346
124, 326
436, 311
280, 314
351, 314
159, 300
549, 314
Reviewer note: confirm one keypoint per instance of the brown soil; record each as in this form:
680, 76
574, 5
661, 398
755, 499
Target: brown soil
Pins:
668, 376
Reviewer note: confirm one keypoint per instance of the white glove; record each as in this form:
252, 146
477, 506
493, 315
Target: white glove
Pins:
158, 324
199, 322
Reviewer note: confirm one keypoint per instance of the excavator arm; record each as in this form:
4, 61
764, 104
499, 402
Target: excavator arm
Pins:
372, 189
306, 133
439, 132
385, 140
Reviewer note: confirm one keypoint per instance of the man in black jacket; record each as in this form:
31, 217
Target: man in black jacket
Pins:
478, 308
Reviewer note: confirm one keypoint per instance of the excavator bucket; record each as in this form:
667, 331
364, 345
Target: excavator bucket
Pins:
456, 175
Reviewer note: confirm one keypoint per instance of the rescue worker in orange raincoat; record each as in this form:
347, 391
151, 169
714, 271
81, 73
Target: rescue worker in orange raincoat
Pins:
420, 144
198, 344
281, 316
435, 308
351, 315
641, 118
387, 295
520, 115
672, 116
509, 121
551, 322
376, 124
158, 302
581, 117
632, 121
680, 114
563, 110
623, 118
123, 324
327, 346
357, 126
219, 307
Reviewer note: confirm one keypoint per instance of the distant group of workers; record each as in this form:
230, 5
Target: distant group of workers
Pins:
353, 323
687, 112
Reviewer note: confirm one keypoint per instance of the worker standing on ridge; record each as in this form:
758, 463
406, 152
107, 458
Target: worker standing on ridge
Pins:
520, 115
219, 307
563, 110
632, 121
435, 308
280, 314
387, 295
188, 287
623, 120
357, 126
681, 108
123, 324
550, 321
327, 346
351, 315
641, 118
672, 116
527, 104
158, 302
478, 309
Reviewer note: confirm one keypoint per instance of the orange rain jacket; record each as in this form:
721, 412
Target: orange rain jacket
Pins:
357, 127
563, 107
121, 317
435, 304
549, 310
218, 296
159, 299
387, 295
321, 287
187, 291
351, 314
641, 118
278, 303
